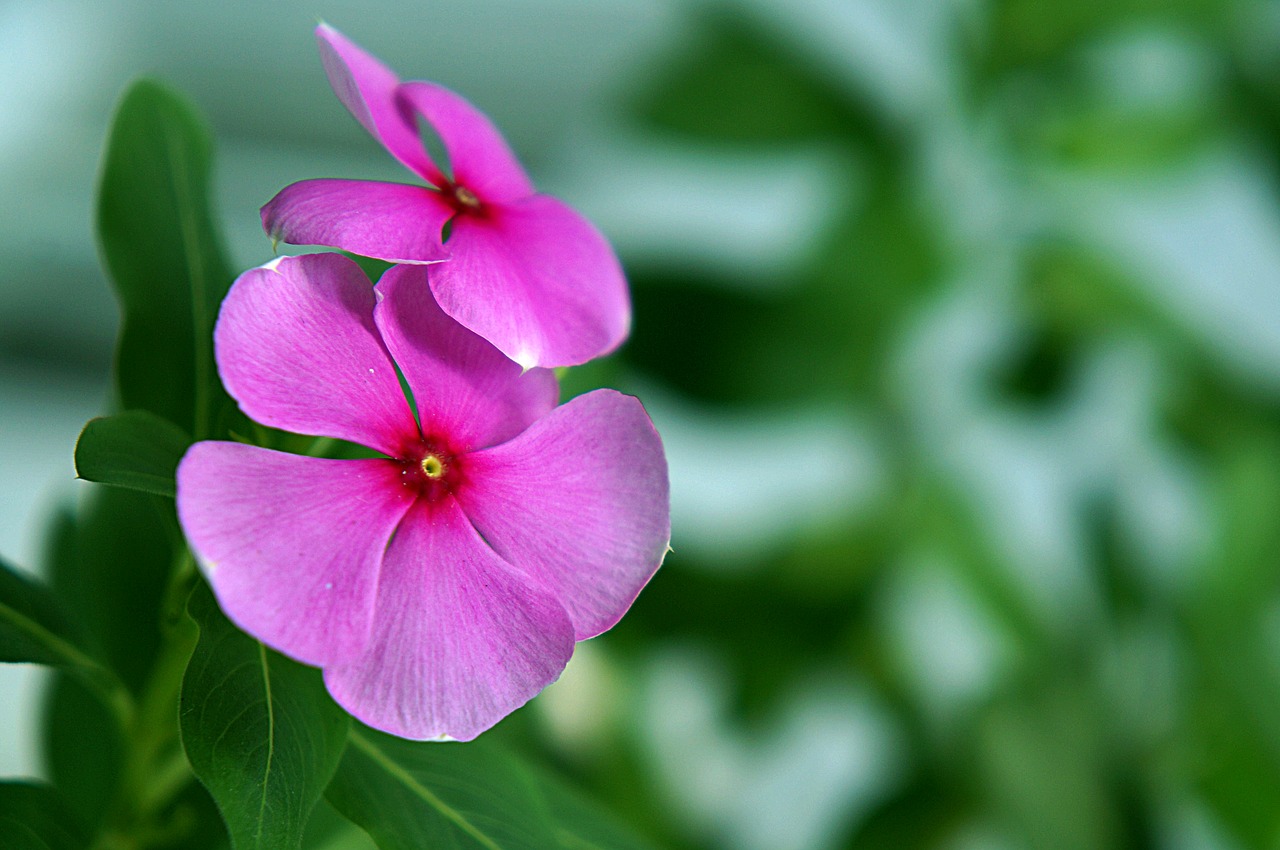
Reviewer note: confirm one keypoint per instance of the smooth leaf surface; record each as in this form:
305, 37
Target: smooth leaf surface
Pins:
35, 817
34, 626
107, 558
83, 748
411, 794
163, 253
260, 730
582, 825
134, 449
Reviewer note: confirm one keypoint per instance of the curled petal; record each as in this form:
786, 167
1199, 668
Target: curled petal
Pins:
297, 348
367, 88
390, 221
579, 502
464, 387
291, 545
458, 641
480, 158
538, 281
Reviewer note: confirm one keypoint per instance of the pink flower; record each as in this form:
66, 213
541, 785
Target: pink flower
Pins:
524, 271
444, 585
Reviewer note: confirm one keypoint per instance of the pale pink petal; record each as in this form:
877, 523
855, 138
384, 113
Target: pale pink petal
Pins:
390, 221
465, 388
292, 545
368, 89
580, 502
458, 641
536, 280
480, 158
297, 348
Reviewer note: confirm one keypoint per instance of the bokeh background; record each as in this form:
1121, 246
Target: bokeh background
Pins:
961, 323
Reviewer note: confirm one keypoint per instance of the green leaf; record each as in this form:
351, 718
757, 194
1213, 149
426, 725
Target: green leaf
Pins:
135, 449
260, 730
106, 560
34, 627
164, 256
35, 817
581, 824
83, 748
409, 795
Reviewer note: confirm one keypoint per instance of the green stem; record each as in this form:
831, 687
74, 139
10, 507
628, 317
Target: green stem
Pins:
99, 679
156, 769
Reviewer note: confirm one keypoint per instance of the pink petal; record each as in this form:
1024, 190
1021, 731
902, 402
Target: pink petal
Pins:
579, 501
367, 88
458, 641
465, 388
480, 158
536, 280
390, 221
297, 348
291, 545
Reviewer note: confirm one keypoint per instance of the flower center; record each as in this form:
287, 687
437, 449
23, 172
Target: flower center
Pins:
466, 197
432, 469
432, 466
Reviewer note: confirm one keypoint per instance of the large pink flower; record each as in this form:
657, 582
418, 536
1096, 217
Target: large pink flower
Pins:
444, 585
525, 271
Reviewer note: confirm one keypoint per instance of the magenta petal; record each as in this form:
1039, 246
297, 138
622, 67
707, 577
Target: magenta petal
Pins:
579, 501
458, 642
367, 88
297, 348
480, 158
390, 221
536, 280
465, 388
291, 545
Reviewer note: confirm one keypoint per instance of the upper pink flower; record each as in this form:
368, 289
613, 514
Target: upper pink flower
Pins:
525, 271
444, 585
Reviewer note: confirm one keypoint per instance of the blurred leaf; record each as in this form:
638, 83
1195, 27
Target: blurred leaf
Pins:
1041, 755
108, 560
583, 825
328, 830
34, 627
261, 731
736, 85
110, 563
35, 817
83, 748
163, 253
134, 449
1020, 35
1234, 729
409, 795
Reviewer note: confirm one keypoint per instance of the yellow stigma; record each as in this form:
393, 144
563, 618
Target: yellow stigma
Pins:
432, 467
466, 197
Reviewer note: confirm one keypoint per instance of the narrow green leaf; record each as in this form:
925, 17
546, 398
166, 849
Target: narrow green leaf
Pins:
260, 730
35, 817
134, 449
34, 627
83, 748
409, 795
107, 560
164, 257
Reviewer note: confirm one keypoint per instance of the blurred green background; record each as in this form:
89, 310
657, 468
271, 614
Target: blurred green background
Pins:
961, 323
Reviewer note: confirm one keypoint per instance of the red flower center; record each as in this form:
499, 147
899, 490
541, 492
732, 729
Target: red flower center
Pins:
464, 199
432, 469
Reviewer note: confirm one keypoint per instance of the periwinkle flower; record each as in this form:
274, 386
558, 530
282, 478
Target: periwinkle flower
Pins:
524, 271
443, 585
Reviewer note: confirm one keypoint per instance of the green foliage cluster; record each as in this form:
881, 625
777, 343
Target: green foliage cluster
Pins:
166, 726
1137, 708
1133, 706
